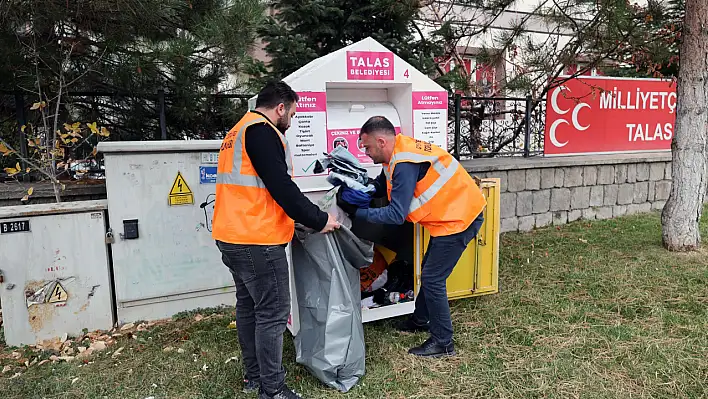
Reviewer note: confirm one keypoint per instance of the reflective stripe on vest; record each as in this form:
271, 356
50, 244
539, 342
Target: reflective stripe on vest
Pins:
446, 173
235, 177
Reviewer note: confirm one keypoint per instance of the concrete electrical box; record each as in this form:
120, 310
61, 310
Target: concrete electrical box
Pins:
55, 269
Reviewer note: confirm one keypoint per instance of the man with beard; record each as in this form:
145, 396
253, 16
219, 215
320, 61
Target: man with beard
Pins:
257, 205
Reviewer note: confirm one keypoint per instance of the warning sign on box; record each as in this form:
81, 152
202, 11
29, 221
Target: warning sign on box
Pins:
180, 194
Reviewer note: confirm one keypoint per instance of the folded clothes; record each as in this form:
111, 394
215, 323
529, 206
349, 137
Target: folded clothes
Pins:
346, 165
342, 154
343, 163
338, 179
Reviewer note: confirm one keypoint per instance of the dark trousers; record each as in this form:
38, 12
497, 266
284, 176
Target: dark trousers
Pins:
262, 309
440, 259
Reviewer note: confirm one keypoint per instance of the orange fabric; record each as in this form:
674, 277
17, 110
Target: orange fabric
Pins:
371, 273
244, 211
447, 200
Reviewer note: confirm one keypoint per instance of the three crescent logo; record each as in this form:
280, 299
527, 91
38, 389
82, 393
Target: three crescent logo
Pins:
561, 121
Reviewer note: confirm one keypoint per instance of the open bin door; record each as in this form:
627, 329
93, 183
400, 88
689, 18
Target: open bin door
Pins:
477, 271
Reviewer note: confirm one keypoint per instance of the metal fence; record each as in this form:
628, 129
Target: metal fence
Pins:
157, 113
496, 126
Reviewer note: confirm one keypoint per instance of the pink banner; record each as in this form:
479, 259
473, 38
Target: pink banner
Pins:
369, 65
349, 138
429, 100
311, 101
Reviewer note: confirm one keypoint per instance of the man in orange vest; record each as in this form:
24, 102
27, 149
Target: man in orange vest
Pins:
257, 205
424, 185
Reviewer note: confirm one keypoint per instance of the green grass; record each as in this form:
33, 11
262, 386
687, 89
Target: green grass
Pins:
589, 310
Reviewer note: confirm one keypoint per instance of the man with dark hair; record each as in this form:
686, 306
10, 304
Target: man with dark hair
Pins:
257, 205
424, 185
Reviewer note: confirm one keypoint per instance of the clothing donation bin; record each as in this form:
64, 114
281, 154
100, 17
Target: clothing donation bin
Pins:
338, 93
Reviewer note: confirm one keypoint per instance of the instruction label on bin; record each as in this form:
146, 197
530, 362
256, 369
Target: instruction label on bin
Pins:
430, 117
307, 136
180, 194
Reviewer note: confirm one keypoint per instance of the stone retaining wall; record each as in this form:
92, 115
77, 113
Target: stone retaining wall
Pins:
537, 192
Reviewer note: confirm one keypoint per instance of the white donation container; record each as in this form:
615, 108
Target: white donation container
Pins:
341, 91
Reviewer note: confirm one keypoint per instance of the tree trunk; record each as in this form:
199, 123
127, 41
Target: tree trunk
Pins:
682, 213
57, 192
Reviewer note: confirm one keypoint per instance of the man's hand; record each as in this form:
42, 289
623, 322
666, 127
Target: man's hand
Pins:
331, 225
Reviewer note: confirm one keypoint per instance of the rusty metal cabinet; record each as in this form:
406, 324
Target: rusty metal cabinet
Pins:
55, 271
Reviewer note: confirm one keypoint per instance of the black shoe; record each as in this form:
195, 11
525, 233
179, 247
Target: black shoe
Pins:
409, 325
253, 386
285, 393
250, 386
430, 348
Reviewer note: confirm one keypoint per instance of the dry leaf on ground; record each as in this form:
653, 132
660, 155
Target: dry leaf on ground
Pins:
117, 353
98, 346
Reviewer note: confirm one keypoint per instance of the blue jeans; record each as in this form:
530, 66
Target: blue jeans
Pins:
431, 304
262, 309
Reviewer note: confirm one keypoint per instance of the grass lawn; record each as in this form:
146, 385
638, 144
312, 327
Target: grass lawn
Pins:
588, 310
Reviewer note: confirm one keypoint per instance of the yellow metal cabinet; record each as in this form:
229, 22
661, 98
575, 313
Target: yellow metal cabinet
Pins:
477, 271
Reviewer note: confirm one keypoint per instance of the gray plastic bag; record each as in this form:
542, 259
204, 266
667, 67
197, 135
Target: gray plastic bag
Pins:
330, 343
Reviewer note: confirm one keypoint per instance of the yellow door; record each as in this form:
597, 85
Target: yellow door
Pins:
477, 271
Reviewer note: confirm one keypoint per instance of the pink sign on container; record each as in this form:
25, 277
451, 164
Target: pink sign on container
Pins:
307, 135
311, 101
430, 117
349, 138
369, 65
429, 100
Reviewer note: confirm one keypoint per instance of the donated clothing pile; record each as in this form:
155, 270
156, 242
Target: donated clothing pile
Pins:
345, 169
383, 284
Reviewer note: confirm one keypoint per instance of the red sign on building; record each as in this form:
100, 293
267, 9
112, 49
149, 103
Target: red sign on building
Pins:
594, 115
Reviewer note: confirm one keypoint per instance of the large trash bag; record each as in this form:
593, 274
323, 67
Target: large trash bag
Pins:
330, 343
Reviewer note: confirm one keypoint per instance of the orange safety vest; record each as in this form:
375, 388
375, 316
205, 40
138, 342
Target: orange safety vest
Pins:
446, 200
244, 211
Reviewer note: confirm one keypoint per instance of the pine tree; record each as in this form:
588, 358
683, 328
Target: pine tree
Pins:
303, 30
652, 50
189, 48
